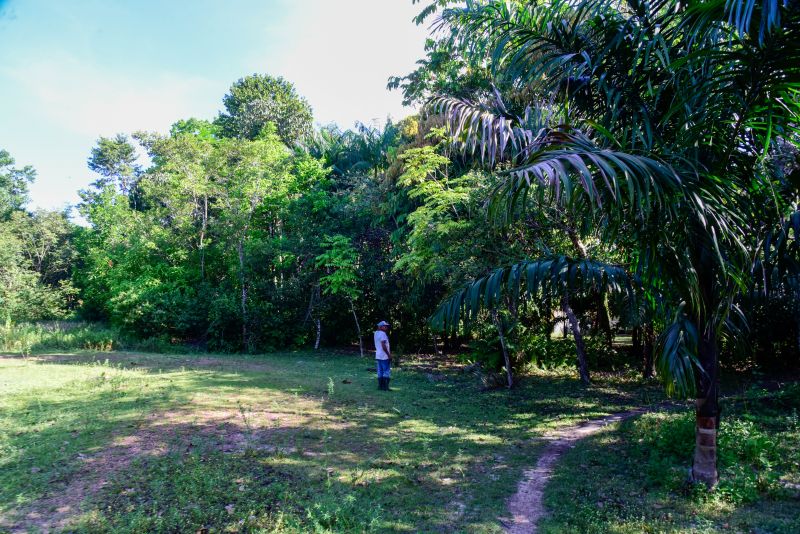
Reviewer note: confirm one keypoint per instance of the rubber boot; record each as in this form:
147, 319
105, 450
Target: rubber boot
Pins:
380, 383
386, 384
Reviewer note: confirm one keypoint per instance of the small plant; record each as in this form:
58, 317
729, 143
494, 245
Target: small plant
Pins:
331, 387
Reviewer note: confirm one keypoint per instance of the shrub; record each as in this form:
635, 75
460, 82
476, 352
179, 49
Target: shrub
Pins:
747, 456
546, 353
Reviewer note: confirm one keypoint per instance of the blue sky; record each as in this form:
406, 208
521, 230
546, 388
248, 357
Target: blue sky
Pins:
72, 71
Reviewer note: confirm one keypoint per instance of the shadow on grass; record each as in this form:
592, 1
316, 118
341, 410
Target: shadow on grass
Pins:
312, 442
633, 478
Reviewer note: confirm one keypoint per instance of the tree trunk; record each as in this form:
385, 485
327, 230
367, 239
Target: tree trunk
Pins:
313, 299
704, 466
203, 227
358, 328
243, 283
499, 325
604, 318
648, 361
436, 350
580, 347
707, 412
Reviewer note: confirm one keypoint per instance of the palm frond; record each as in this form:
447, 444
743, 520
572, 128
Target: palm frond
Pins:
489, 129
564, 160
545, 278
742, 13
778, 256
677, 362
570, 163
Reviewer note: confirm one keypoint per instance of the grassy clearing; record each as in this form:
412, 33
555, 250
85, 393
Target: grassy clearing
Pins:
285, 442
632, 479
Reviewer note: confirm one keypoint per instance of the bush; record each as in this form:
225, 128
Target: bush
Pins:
546, 353
487, 352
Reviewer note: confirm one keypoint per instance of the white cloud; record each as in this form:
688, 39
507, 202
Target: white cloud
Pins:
64, 104
344, 52
81, 98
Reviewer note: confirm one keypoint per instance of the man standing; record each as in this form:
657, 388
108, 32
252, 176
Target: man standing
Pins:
383, 355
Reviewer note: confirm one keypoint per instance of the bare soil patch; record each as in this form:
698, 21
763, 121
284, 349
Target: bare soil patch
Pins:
227, 430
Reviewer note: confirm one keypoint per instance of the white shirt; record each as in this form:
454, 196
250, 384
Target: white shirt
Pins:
381, 354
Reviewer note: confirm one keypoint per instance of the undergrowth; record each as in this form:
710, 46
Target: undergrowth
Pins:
635, 478
32, 338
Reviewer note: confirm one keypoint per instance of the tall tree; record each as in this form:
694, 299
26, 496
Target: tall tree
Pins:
340, 263
255, 180
36, 252
46, 238
115, 160
658, 116
13, 185
256, 100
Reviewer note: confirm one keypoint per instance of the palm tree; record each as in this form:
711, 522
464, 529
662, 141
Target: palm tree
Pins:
661, 116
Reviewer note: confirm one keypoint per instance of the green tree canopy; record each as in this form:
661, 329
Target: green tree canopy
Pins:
114, 159
13, 185
256, 100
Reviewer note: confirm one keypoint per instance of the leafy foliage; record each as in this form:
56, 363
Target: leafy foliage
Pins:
13, 185
254, 101
638, 95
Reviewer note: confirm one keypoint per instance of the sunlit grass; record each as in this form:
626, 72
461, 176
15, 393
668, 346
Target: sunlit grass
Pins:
339, 454
318, 448
632, 478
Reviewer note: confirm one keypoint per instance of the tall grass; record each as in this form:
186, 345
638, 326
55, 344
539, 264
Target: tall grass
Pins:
29, 338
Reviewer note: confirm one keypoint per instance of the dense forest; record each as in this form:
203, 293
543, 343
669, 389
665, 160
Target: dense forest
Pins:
575, 167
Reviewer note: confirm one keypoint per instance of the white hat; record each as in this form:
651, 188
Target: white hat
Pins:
383, 323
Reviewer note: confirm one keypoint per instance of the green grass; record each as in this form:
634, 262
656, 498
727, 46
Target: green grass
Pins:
303, 442
632, 478
295, 442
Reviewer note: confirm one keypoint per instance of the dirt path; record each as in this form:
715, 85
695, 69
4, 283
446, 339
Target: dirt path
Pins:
526, 506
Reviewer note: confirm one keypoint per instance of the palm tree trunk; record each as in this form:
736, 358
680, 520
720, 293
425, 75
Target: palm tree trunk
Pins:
436, 350
580, 346
704, 466
498, 324
707, 412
